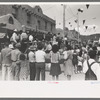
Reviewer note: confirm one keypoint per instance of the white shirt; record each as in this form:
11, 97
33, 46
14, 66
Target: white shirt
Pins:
23, 36
31, 38
98, 48
95, 68
15, 37
40, 56
65, 54
31, 56
49, 47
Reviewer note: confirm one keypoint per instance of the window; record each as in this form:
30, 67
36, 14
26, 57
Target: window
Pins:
28, 19
39, 24
11, 21
51, 27
38, 10
45, 25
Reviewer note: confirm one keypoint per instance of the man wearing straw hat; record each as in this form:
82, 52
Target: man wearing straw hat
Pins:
15, 53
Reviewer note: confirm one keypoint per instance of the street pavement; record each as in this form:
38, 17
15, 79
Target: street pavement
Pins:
62, 77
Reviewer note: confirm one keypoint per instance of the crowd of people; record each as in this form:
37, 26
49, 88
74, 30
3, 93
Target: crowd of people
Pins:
28, 58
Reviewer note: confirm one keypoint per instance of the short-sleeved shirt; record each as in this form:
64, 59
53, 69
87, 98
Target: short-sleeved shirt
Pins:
31, 56
40, 56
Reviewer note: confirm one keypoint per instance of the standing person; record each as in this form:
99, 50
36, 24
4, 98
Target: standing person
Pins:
68, 63
55, 66
6, 63
24, 38
15, 54
40, 62
48, 37
91, 68
75, 60
59, 40
31, 57
24, 67
30, 37
15, 36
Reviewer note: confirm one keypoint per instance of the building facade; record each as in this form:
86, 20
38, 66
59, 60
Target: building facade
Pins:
32, 17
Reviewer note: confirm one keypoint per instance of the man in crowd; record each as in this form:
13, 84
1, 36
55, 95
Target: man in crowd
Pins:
48, 37
40, 62
6, 63
15, 54
91, 68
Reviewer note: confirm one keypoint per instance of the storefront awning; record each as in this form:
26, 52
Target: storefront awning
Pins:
5, 19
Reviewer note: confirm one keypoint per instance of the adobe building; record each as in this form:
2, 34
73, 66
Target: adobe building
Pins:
32, 17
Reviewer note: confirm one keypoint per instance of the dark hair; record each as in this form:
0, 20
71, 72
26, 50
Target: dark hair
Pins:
6, 44
55, 48
40, 46
92, 54
22, 57
69, 47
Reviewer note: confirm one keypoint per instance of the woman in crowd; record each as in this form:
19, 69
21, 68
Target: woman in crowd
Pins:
68, 63
55, 70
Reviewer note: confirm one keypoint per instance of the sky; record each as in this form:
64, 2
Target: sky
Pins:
90, 15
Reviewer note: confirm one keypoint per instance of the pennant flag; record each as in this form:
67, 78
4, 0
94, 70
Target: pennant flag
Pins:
86, 27
70, 25
76, 21
87, 5
83, 22
94, 27
94, 18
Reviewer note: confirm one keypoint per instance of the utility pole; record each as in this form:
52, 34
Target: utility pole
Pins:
64, 7
78, 26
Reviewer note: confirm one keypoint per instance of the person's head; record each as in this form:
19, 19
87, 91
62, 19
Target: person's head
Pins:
58, 33
92, 54
55, 48
15, 31
40, 46
69, 47
22, 57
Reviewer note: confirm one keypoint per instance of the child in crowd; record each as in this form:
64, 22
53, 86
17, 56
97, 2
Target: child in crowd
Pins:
24, 67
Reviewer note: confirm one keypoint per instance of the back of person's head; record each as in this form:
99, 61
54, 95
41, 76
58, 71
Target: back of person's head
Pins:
22, 57
69, 47
92, 54
94, 48
40, 46
55, 48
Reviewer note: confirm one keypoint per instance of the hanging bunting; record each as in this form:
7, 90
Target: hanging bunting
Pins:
83, 22
76, 21
70, 25
94, 27
87, 6
86, 27
94, 18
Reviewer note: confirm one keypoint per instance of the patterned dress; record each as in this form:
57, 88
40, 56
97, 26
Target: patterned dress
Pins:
24, 70
68, 64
